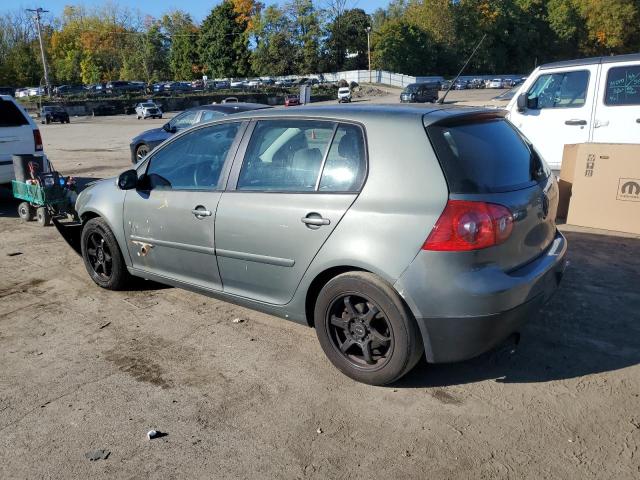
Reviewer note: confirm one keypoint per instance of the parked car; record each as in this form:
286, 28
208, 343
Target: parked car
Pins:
446, 85
495, 83
177, 87
142, 144
460, 85
21, 92
18, 135
477, 83
146, 110
53, 113
420, 230
344, 95
577, 101
237, 84
197, 84
120, 87
7, 91
291, 100
420, 92
96, 89
35, 91
63, 90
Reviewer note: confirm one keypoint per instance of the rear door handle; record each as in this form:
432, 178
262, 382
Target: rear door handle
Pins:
315, 220
575, 122
201, 212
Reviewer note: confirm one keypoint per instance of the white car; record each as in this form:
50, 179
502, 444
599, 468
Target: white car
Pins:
579, 101
148, 110
22, 92
344, 94
238, 84
19, 135
496, 83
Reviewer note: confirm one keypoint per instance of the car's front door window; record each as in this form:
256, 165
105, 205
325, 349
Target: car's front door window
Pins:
192, 162
560, 90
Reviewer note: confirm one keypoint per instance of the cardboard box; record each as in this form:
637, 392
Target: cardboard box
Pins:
566, 179
606, 187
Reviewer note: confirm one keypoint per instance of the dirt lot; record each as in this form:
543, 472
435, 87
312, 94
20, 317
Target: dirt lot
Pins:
86, 369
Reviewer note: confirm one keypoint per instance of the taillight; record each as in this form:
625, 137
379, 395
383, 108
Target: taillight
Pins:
465, 225
37, 140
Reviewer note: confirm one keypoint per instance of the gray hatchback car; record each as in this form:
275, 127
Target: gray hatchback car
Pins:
395, 231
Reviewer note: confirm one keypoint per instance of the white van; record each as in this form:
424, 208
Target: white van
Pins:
578, 101
18, 135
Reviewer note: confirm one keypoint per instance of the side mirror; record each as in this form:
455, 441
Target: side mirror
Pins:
168, 128
522, 102
128, 180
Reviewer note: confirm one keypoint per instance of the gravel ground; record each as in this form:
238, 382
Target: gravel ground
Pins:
85, 369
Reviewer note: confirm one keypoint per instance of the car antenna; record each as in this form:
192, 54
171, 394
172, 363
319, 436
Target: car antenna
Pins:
453, 82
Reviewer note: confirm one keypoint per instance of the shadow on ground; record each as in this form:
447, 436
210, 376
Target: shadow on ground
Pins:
592, 324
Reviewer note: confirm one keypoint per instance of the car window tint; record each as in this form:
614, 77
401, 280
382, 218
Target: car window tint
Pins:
210, 115
193, 161
623, 86
345, 166
10, 115
560, 90
285, 155
485, 156
184, 120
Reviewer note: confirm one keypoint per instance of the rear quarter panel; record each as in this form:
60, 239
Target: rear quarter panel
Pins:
403, 196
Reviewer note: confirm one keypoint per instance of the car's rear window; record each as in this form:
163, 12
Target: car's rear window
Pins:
10, 115
484, 156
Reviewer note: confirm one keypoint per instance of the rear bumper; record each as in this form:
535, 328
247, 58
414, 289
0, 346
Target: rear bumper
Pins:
465, 313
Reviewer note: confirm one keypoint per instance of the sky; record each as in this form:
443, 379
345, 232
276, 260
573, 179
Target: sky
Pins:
197, 8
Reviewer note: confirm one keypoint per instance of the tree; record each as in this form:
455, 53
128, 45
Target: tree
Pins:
223, 43
346, 44
273, 52
305, 35
182, 36
402, 47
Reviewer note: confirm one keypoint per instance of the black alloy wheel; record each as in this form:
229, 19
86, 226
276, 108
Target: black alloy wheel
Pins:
99, 256
360, 331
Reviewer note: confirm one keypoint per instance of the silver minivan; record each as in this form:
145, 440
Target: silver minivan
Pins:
395, 231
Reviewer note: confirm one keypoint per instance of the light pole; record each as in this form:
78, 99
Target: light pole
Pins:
37, 12
369, 50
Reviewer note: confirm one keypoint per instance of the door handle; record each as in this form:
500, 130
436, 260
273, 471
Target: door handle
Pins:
315, 220
201, 212
575, 122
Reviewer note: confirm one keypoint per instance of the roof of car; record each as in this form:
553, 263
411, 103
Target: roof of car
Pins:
591, 61
234, 107
364, 113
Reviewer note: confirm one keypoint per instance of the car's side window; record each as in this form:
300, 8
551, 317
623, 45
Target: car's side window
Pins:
623, 86
285, 155
193, 161
210, 115
346, 164
559, 90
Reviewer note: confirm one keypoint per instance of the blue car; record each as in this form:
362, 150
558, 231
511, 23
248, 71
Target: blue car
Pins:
145, 142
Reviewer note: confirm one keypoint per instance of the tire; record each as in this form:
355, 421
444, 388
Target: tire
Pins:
391, 336
142, 151
102, 257
26, 212
47, 120
43, 217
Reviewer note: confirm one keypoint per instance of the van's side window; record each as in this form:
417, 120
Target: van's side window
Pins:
623, 86
559, 90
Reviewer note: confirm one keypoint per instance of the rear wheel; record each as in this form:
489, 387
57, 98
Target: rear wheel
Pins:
102, 257
43, 217
25, 211
365, 329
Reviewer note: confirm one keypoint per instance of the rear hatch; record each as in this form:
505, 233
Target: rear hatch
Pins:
485, 159
16, 137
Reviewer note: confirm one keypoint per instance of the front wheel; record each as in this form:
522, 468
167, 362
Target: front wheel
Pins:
25, 211
102, 257
43, 217
365, 329
141, 151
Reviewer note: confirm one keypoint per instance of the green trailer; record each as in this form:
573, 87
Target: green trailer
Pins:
40, 202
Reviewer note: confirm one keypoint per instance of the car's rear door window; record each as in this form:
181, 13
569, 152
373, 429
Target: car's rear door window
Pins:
345, 167
623, 86
484, 156
285, 155
10, 115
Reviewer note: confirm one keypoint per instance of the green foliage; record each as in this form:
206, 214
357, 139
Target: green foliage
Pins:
346, 44
403, 47
223, 43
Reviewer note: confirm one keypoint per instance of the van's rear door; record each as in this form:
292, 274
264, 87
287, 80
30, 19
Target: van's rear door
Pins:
16, 137
617, 112
485, 158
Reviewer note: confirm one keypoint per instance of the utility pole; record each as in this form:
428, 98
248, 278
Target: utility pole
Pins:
37, 13
369, 50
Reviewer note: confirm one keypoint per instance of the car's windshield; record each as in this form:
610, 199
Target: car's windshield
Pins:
411, 88
148, 105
